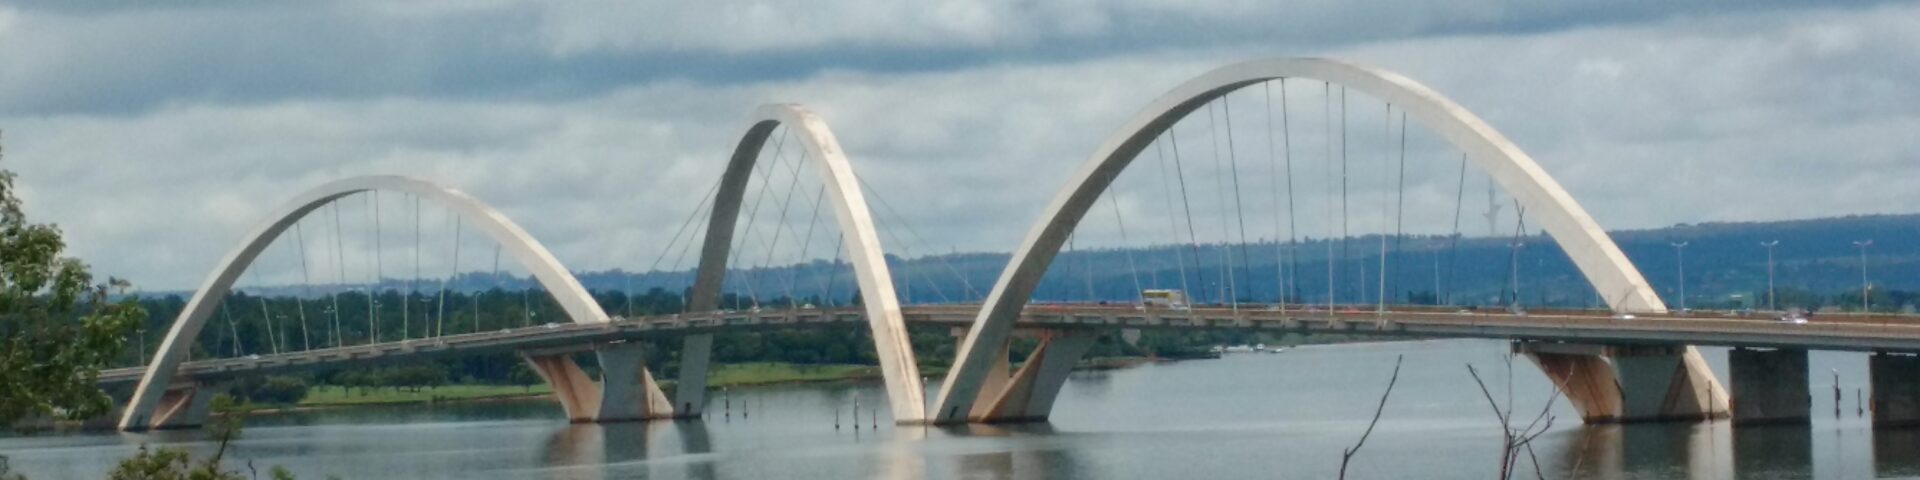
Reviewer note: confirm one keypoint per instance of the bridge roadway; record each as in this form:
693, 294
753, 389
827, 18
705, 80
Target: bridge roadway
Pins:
1881, 333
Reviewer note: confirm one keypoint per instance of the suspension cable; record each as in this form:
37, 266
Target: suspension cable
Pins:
1113, 199
780, 223
1186, 204
1326, 113
1273, 176
1086, 270
701, 219
265, 313
833, 274
793, 270
896, 218
232, 330
1386, 208
733, 256
684, 229
806, 245
1345, 232
1286, 136
339, 261
373, 301
906, 271
306, 285
1226, 286
406, 324
440, 322
1453, 244
1233, 160
1513, 258
1173, 225
496, 286
1400, 204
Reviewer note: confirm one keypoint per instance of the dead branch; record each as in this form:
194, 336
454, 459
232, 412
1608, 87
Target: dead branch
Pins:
1347, 455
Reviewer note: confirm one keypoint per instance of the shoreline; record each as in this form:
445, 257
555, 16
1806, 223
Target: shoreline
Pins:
862, 373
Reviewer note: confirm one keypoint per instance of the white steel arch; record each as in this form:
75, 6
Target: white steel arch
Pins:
902, 375
566, 290
1597, 257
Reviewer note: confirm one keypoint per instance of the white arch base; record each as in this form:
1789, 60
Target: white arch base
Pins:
1027, 394
1598, 259
151, 393
1615, 384
905, 393
626, 391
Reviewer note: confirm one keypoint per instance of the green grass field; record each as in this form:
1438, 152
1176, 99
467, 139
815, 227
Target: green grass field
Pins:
728, 375
760, 373
335, 396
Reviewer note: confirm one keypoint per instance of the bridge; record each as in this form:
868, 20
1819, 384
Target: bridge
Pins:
1634, 361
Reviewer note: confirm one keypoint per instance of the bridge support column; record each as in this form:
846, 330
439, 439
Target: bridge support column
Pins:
183, 407
180, 406
1631, 383
690, 388
626, 390
1896, 389
1027, 395
1769, 386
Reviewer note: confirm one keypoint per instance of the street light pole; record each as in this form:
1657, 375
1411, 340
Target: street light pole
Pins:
1771, 304
1865, 290
1680, 252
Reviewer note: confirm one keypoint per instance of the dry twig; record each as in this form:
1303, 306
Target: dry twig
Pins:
1347, 456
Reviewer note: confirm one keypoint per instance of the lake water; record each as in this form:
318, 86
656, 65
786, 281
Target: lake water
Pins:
1244, 416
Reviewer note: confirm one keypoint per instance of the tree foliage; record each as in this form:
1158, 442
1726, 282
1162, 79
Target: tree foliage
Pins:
57, 329
175, 464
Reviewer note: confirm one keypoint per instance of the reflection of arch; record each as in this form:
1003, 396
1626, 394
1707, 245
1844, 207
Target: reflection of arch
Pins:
891, 345
548, 271
1551, 206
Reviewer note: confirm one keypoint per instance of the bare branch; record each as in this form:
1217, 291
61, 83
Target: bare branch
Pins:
1489, 395
1536, 463
1347, 456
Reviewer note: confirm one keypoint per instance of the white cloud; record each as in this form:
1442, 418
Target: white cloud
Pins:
1648, 123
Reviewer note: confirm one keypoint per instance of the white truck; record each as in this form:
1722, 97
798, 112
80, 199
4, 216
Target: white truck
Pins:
1173, 299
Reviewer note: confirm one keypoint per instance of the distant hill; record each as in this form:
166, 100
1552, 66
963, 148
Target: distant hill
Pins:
1816, 263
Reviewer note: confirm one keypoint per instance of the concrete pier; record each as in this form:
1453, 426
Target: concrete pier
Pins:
1617, 384
627, 389
1769, 386
184, 407
1027, 395
1896, 389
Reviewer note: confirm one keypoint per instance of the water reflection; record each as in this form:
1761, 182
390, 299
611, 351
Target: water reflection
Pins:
1241, 416
598, 451
1033, 456
1896, 452
1773, 451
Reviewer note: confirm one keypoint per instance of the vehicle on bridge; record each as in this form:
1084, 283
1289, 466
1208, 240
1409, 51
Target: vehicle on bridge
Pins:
1173, 299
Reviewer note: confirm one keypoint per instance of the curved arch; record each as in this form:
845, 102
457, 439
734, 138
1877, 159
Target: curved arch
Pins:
1553, 208
567, 291
875, 279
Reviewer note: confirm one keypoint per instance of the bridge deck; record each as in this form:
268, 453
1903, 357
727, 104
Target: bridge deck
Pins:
1891, 333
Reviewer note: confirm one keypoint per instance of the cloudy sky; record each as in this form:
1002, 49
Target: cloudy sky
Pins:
156, 135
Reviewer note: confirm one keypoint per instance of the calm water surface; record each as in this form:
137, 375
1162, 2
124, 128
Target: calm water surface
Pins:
1245, 416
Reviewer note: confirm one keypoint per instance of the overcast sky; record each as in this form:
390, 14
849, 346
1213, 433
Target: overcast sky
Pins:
155, 136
